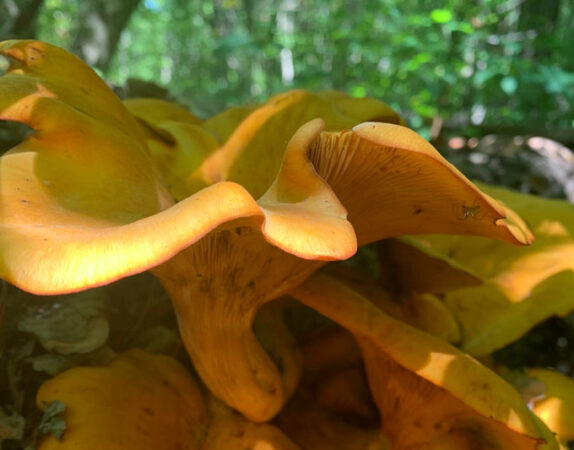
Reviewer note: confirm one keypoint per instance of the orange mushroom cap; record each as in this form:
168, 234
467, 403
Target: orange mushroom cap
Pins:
521, 286
141, 401
427, 392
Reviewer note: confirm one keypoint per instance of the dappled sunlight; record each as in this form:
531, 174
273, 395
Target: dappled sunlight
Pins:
552, 228
22, 106
517, 282
409, 370
556, 406
437, 360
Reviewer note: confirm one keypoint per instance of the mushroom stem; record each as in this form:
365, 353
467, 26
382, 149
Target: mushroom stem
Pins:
230, 360
217, 287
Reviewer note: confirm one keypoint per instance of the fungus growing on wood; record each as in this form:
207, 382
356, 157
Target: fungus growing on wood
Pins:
83, 205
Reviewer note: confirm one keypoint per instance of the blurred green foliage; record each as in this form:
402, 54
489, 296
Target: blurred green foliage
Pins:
472, 64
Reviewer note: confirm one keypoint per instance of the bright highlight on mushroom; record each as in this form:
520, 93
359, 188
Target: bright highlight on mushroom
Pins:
233, 214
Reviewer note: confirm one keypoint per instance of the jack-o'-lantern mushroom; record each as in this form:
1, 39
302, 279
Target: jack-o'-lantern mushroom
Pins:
428, 394
520, 287
82, 205
555, 406
142, 401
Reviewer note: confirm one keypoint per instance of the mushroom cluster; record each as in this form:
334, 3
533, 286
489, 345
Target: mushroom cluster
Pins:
238, 216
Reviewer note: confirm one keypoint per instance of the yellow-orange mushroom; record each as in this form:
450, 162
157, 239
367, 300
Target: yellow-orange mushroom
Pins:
521, 286
332, 408
142, 401
82, 205
423, 311
406, 267
428, 393
177, 141
556, 406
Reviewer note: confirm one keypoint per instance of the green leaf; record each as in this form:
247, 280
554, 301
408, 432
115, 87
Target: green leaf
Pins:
11, 426
74, 323
52, 422
509, 85
358, 91
441, 15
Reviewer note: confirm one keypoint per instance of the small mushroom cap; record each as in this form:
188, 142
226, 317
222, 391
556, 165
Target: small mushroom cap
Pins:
137, 401
141, 401
522, 286
426, 391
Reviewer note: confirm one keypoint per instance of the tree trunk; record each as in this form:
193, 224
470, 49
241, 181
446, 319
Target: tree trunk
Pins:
19, 18
100, 28
538, 21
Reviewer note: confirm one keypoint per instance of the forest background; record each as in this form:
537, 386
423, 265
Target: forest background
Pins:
490, 83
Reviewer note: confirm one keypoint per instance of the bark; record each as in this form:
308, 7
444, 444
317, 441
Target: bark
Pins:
19, 18
540, 18
100, 28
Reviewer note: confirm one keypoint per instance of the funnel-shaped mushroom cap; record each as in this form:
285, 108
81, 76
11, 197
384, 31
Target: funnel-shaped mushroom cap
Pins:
427, 392
299, 204
140, 401
556, 407
382, 161
522, 286
82, 206
80, 197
